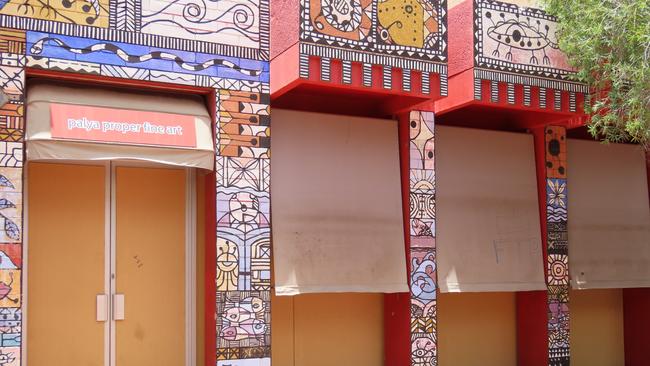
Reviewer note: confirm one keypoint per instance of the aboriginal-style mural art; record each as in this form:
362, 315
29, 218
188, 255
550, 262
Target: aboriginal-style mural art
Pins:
222, 45
518, 45
422, 254
415, 24
557, 267
233, 23
83, 12
243, 229
12, 80
407, 35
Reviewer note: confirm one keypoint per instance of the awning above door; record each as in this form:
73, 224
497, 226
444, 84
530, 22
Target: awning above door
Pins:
81, 123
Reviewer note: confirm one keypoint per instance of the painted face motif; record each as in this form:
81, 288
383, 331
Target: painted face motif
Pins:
226, 255
253, 327
422, 138
237, 315
244, 207
249, 329
423, 349
344, 15
234, 334
253, 304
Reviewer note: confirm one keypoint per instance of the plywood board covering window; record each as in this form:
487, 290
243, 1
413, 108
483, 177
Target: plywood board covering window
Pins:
597, 327
477, 329
487, 213
328, 329
337, 214
609, 216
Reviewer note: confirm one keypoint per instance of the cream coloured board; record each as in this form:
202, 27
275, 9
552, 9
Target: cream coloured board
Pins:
487, 215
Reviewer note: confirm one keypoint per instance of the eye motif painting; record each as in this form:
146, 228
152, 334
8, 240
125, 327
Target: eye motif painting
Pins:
517, 34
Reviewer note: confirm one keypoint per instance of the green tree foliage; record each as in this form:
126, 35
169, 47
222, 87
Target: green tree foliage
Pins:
608, 41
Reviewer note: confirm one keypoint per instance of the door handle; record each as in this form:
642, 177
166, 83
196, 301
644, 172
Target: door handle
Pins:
118, 307
102, 307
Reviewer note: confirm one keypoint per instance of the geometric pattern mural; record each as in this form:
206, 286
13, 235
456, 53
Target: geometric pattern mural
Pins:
219, 45
243, 229
12, 81
518, 45
557, 261
422, 252
407, 35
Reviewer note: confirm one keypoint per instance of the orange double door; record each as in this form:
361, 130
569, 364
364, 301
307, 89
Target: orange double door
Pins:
108, 277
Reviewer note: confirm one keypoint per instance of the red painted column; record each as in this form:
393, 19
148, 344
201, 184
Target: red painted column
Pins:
532, 309
543, 318
210, 335
636, 318
532, 333
397, 306
411, 337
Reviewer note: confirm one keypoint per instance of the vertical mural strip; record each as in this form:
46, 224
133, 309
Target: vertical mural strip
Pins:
12, 81
422, 256
557, 268
243, 276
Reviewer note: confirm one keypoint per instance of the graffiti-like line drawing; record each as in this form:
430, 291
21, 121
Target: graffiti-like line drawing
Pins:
520, 34
199, 17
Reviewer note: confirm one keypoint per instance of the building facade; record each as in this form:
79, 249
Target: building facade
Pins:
423, 161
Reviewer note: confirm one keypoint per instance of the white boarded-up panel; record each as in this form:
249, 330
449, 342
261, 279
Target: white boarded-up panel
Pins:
609, 215
487, 214
336, 204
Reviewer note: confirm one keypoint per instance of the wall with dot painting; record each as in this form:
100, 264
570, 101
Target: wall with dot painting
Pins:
407, 37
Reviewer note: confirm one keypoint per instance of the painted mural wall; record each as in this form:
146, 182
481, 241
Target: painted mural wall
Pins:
223, 45
557, 247
406, 35
422, 246
518, 45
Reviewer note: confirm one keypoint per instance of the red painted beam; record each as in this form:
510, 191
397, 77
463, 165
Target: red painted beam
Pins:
461, 94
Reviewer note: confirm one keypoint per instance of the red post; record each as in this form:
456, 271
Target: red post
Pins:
636, 318
210, 269
397, 306
532, 318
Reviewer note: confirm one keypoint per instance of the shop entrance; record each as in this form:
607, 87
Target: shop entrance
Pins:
110, 278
